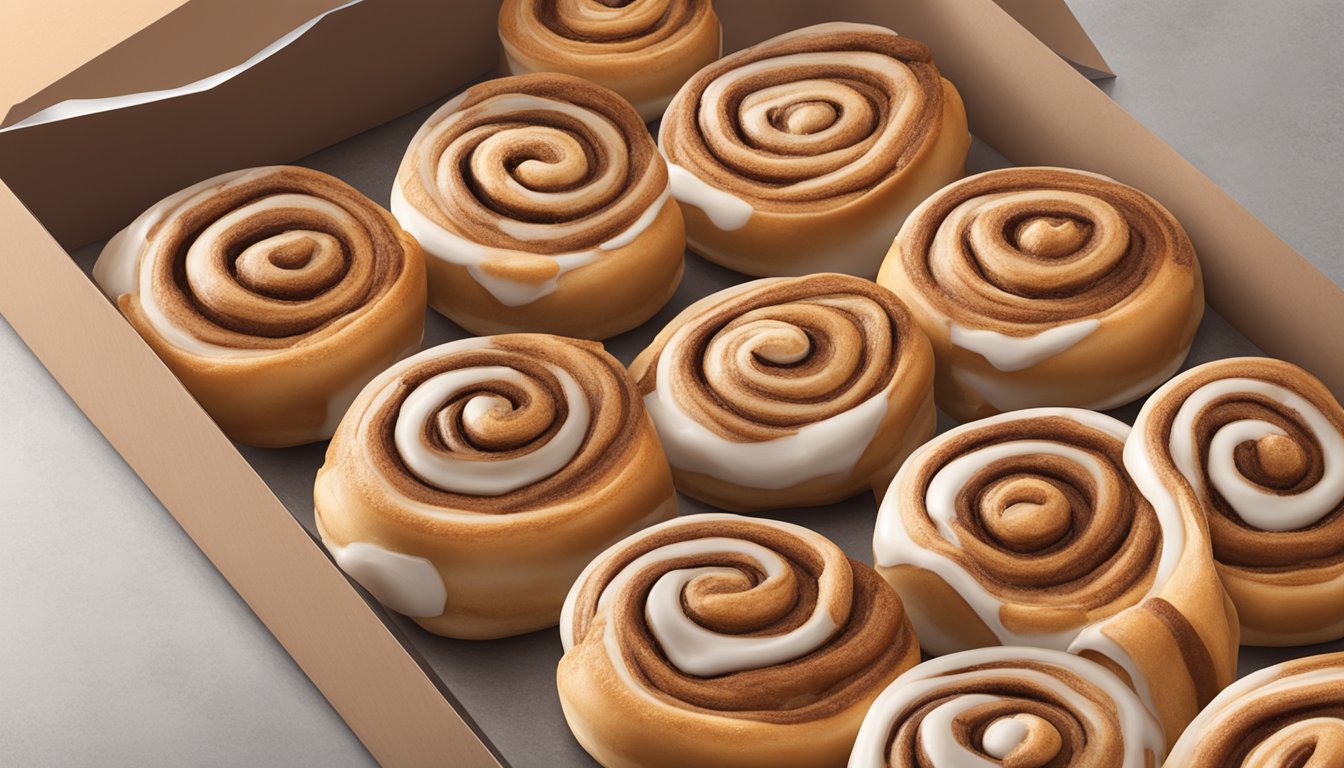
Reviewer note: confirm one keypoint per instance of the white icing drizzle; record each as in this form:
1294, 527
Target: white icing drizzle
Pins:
1140, 732
407, 584
821, 449
1014, 353
893, 544
455, 249
493, 477
1003, 736
690, 647
724, 210
1256, 505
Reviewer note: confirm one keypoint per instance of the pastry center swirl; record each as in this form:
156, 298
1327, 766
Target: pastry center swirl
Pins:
544, 164
1034, 246
807, 121
269, 258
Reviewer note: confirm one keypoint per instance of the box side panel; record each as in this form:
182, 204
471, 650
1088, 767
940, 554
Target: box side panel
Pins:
334, 635
358, 67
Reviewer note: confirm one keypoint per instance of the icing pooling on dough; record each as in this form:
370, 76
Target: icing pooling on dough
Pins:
723, 209
1014, 353
407, 584
1118, 729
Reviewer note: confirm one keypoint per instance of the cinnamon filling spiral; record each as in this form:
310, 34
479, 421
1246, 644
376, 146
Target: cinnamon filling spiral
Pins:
1261, 444
756, 619
1032, 518
542, 164
1017, 707
503, 425
1015, 249
807, 120
1287, 716
263, 260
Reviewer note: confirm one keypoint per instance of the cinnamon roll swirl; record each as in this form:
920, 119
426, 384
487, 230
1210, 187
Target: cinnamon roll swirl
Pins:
642, 50
806, 152
468, 485
544, 206
1015, 707
788, 392
718, 640
1256, 446
273, 293
1290, 715
1047, 286
1025, 529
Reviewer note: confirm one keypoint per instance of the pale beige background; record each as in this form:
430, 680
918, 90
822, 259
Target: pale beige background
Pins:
120, 645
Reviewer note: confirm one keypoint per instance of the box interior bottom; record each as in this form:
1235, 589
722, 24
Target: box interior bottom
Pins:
507, 687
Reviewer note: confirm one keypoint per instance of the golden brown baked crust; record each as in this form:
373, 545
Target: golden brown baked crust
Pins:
1256, 447
806, 152
273, 293
1285, 716
644, 51
468, 485
1017, 707
1047, 287
718, 640
543, 205
1026, 529
787, 392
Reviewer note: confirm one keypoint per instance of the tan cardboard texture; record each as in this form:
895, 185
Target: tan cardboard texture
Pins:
84, 178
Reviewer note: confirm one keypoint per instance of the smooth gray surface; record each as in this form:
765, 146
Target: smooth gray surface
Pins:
120, 644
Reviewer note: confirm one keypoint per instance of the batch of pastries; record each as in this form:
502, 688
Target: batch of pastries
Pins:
1079, 587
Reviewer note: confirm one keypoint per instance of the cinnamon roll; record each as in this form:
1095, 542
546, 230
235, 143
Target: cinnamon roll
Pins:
1255, 446
1290, 715
273, 293
1025, 529
544, 206
1047, 286
468, 485
1015, 707
642, 50
806, 152
788, 392
717, 640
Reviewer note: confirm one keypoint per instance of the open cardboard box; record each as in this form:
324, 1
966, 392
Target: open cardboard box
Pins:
330, 86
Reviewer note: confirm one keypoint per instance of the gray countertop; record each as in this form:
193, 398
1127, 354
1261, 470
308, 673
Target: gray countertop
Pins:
123, 646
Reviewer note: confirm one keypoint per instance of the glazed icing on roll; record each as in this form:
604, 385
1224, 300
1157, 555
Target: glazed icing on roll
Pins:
1025, 529
545, 206
642, 50
1011, 706
1014, 268
732, 622
1257, 447
519, 456
842, 120
254, 261
1290, 715
781, 381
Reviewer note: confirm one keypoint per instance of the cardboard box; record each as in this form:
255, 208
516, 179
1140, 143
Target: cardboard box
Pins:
283, 80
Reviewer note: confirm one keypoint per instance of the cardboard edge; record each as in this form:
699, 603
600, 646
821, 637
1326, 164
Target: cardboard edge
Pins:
338, 640
1054, 23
